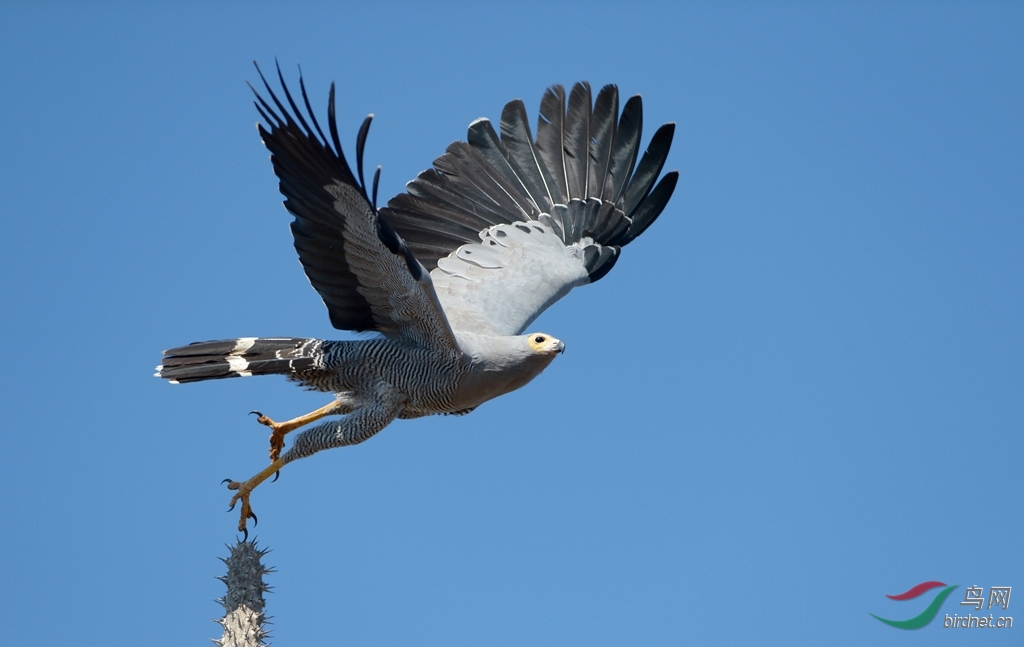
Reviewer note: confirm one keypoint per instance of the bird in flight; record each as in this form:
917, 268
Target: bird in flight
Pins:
451, 272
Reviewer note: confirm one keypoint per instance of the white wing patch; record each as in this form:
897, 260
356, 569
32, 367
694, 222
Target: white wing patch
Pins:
501, 284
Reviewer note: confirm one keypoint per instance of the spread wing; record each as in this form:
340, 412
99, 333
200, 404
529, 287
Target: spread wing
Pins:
508, 225
365, 273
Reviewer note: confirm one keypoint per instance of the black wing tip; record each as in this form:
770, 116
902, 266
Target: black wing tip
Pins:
652, 206
662, 139
284, 119
583, 86
364, 130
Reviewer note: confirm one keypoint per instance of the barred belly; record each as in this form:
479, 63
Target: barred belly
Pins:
426, 378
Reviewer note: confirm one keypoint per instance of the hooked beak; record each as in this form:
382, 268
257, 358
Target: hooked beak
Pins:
561, 347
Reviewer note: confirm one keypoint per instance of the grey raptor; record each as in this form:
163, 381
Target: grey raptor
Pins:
449, 273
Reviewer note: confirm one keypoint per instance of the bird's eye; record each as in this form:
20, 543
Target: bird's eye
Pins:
539, 339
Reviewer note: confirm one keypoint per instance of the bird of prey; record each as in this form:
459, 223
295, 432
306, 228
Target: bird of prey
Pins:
451, 272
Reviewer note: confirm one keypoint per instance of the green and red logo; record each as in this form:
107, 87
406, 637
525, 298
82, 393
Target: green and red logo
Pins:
999, 597
925, 616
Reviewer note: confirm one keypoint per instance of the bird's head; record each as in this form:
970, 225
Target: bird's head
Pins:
544, 344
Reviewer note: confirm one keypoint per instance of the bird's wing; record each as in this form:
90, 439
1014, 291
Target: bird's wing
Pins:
510, 225
367, 276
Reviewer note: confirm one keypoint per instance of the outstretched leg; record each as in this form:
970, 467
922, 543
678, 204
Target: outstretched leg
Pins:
354, 428
246, 487
280, 429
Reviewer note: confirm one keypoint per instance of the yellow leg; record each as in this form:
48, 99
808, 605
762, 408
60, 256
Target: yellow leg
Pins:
282, 428
245, 489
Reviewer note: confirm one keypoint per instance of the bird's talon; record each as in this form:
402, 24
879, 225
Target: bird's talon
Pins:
264, 420
245, 535
242, 494
276, 474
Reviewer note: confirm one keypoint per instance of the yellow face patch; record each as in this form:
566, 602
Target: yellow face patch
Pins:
544, 343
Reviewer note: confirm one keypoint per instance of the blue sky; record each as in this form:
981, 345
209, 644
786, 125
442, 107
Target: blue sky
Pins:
799, 391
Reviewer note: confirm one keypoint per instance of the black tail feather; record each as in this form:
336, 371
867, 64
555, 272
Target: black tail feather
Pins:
213, 360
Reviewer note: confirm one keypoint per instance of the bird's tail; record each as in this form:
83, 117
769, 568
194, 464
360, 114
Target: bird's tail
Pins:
213, 360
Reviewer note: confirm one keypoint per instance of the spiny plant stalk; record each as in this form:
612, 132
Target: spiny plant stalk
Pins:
244, 622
